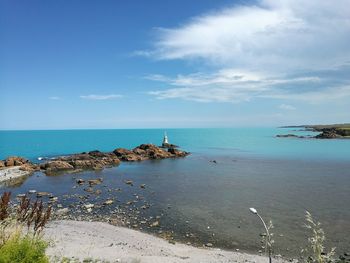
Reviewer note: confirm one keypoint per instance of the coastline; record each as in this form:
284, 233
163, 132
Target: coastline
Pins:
332, 131
102, 241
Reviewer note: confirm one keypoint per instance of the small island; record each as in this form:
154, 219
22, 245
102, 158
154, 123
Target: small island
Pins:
331, 131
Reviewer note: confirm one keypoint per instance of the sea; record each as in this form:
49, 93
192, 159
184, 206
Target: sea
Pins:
205, 197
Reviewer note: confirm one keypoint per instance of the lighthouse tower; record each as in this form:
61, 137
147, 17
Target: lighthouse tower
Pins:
165, 140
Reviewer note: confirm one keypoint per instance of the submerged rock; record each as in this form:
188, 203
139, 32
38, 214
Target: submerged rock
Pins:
95, 181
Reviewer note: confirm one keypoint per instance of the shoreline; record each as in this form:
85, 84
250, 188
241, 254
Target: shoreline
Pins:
102, 241
12, 173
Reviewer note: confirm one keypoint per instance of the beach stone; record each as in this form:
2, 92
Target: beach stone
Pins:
88, 206
63, 211
41, 194
155, 224
95, 181
89, 189
108, 202
143, 186
2, 164
129, 182
80, 181
208, 244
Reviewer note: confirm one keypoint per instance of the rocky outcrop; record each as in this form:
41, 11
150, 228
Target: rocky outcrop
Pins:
329, 133
148, 152
30, 167
95, 160
333, 133
129, 156
24, 164
56, 166
15, 161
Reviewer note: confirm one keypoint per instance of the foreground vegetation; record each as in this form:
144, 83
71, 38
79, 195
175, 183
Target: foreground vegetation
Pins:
315, 251
20, 231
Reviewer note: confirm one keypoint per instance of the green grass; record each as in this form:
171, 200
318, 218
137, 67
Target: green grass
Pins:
23, 249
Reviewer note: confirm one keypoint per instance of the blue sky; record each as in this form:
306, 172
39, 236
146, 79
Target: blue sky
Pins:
150, 64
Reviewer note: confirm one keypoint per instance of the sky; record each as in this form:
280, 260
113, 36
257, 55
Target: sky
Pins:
172, 64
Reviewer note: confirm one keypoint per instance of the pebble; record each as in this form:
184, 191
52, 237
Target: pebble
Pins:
108, 202
62, 211
129, 182
89, 206
80, 181
155, 224
41, 194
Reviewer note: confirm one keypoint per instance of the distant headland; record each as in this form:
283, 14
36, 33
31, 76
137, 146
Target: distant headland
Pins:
329, 131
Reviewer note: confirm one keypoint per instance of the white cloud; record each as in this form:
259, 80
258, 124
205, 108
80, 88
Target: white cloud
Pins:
54, 98
231, 86
287, 107
273, 35
101, 97
280, 49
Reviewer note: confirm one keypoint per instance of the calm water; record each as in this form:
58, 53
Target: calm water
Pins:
280, 177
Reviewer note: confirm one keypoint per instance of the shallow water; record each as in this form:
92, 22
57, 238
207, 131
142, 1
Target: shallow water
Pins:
280, 177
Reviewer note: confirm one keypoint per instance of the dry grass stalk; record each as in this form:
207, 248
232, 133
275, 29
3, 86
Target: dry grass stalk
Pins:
316, 242
33, 214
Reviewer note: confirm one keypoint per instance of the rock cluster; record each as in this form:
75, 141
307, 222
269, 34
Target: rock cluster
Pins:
147, 152
95, 160
24, 164
330, 133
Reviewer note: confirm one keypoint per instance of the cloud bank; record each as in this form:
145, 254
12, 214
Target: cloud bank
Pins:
275, 49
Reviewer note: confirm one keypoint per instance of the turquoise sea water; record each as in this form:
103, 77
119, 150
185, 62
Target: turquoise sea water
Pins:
242, 141
281, 177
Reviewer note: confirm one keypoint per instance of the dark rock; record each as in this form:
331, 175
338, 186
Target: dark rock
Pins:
94, 160
329, 133
129, 182
80, 181
287, 136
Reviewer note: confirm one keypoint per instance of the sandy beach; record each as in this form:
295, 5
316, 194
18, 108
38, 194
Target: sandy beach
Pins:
101, 241
10, 173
